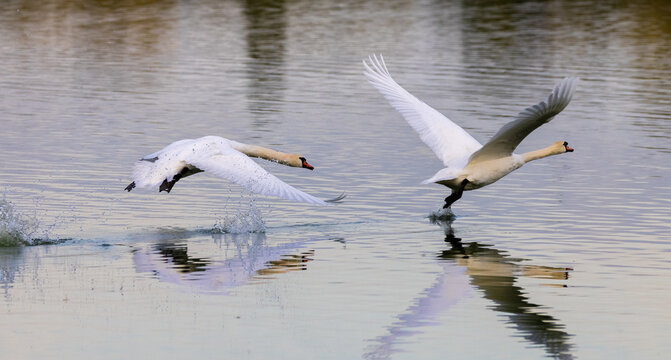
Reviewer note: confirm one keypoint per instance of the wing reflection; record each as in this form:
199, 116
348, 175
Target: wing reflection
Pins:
450, 287
493, 273
241, 259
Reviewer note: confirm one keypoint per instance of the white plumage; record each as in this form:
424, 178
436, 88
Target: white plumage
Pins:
222, 158
452, 144
470, 165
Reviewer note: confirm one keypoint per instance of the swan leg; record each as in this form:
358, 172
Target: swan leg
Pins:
167, 185
456, 194
130, 186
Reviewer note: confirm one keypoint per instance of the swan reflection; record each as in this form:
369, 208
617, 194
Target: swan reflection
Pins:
492, 274
238, 260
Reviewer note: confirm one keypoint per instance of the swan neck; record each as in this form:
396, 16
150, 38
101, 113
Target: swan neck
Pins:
539, 154
262, 152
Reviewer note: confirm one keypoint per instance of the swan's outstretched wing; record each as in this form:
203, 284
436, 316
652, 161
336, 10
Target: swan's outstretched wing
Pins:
237, 167
452, 144
504, 142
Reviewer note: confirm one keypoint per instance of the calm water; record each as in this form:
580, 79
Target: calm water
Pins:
569, 257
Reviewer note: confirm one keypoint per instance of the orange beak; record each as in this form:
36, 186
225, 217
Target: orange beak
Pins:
308, 166
568, 149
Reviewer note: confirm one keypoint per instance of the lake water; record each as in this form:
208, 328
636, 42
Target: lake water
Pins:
568, 257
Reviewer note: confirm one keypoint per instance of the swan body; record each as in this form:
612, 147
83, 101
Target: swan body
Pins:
224, 158
469, 164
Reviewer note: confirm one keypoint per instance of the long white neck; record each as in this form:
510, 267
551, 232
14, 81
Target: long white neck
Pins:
545, 152
263, 153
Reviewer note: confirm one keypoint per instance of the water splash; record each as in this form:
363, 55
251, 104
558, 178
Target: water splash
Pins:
441, 215
247, 219
16, 229
19, 229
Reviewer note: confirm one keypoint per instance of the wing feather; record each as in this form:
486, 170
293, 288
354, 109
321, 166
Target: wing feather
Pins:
216, 156
504, 142
237, 167
452, 144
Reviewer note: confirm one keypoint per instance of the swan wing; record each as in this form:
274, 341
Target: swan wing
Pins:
504, 142
237, 167
173, 147
452, 144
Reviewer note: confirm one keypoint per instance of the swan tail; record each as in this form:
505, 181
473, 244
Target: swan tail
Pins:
443, 175
147, 174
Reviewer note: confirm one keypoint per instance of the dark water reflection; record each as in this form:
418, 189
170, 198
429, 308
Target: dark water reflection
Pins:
266, 37
177, 256
495, 274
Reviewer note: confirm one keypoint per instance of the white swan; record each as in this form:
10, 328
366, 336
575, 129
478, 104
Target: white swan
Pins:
223, 158
471, 165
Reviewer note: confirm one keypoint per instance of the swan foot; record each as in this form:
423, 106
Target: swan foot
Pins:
150, 160
130, 186
167, 185
456, 194
186, 171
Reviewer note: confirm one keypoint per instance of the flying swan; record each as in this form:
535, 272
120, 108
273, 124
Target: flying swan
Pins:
470, 165
223, 158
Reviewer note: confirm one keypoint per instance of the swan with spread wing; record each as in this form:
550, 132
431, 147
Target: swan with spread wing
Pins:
470, 165
224, 158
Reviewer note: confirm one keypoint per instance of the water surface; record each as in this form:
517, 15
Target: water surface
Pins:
569, 257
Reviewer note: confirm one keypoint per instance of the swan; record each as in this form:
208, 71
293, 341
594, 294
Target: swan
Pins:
224, 158
470, 165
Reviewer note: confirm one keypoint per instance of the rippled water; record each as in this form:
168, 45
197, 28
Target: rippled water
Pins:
568, 257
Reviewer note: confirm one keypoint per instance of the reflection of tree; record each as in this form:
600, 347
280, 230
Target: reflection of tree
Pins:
128, 26
493, 273
266, 37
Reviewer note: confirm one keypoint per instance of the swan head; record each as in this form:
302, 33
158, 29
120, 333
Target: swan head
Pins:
304, 163
566, 147
296, 160
559, 147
